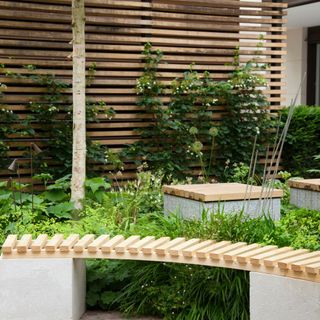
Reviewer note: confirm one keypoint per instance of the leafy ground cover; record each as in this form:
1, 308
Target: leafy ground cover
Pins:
140, 288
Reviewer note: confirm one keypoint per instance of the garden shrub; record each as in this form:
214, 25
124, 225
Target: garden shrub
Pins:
303, 142
171, 291
52, 112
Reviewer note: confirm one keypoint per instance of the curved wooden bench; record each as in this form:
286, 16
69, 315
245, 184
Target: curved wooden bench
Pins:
299, 264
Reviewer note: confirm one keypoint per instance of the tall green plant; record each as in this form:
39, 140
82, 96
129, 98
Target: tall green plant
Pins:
302, 145
183, 134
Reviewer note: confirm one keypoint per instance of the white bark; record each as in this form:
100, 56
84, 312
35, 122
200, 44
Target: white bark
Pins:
79, 104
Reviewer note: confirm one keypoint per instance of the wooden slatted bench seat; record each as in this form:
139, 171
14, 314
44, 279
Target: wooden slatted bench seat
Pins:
299, 264
44, 278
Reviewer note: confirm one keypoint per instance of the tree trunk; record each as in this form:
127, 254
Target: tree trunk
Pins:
79, 105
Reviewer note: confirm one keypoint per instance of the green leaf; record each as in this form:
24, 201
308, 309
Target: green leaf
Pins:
55, 195
62, 210
96, 183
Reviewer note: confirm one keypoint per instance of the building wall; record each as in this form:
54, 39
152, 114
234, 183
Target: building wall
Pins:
296, 65
299, 19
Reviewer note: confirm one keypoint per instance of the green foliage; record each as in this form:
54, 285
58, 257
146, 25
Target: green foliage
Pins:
299, 228
303, 142
183, 133
171, 291
53, 111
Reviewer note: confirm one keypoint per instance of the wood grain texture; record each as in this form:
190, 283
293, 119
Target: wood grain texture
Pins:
37, 32
287, 262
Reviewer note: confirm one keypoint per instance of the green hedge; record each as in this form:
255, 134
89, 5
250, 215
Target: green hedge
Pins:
303, 141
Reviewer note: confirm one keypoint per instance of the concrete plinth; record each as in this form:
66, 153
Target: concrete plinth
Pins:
42, 289
191, 200
305, 193
280, 298
191, 209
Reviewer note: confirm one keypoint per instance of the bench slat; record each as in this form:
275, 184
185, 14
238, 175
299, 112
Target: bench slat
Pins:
83, 243
244, 257
110, 244
54, 243
122, 246
9, 244
202, 253
285, 264
67, 244
38, 244
24, 243
189, 252
258, 258
135, 247
148, 249
176, 250
162, 250
217, 254
96, 245
233, 254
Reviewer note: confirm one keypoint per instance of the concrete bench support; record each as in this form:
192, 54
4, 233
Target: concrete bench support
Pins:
191, 200
274, 297
50, 289
305, 193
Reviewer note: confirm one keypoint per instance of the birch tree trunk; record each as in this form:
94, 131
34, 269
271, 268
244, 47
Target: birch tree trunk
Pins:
79, 105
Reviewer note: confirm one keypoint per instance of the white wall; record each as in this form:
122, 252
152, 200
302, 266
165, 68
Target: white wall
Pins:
299, 20
296, 64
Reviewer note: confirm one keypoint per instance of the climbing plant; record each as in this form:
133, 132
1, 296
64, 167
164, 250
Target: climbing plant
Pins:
183, 133
52, 112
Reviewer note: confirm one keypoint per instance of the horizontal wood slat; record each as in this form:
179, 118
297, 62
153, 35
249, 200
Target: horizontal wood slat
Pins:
206, 32
286, 261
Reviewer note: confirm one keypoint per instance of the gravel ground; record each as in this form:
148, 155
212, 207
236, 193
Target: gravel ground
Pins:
99, 315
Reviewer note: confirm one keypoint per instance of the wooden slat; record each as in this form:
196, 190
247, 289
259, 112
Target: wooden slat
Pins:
68, 243
270, 262
191, 251
299, 266
258, 258
148, 248
230, 255
206, 32
313, 268
176, 250
202, 253
217, 254
286, 262
38, 244
135, 247
9, 244
24, 243
244, 257
83, 243
122, 246
110, 244
98, 243
162, 250
54, 243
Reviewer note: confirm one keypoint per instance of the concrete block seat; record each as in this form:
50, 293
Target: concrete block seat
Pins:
305, 193
191, 200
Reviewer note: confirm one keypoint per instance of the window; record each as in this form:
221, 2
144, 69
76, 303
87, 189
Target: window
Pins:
313, 80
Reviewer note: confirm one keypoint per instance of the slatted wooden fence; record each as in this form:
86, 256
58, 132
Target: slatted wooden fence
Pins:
205, 32
300, 264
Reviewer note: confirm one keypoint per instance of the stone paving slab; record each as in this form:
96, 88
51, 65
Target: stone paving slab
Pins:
99, 315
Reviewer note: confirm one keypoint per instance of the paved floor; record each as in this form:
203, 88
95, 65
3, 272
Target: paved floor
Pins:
98, 315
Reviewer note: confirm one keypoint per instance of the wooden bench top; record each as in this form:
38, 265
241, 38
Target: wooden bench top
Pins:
300, 264
306, 184
220, 192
